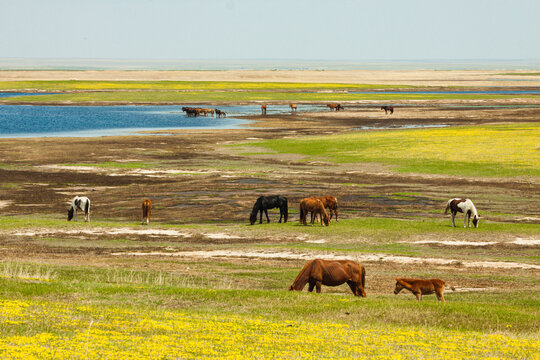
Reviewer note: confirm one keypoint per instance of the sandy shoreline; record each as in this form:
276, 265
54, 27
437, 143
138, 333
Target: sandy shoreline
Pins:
383, 77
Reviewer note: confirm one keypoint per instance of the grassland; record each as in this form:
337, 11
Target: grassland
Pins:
199, 282
498, 150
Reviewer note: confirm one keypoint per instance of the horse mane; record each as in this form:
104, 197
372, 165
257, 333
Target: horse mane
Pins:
472, 208
256, 208
302, 278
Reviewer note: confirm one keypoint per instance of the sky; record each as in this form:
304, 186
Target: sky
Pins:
270, 29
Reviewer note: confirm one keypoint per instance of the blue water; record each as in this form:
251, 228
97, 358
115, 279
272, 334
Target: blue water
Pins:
86, 121
90, 121
10, 94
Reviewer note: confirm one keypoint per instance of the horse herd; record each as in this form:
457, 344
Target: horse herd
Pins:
194, 112
320, 272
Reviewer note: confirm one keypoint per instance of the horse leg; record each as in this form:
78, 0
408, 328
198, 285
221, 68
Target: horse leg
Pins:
318, 284
266, 213
465, 216
418, 296
260, 221
311, 286
453, 219
353, 287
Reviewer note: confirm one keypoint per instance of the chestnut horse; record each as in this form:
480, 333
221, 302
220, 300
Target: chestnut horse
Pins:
329, 202
146, 211
464, 206
388, 109
263, 109
293, 107
331, 273
316, 207
421, 287
335, 107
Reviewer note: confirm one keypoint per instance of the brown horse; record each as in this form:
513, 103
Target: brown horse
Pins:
263, 109
315, 206
146, 211
329, 202
331, 273
335, 107
293, 107
388, 109
421, 287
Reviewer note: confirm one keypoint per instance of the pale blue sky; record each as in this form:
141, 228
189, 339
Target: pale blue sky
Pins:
271, 29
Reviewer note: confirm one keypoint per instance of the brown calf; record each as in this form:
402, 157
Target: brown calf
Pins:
421, 287
146, 211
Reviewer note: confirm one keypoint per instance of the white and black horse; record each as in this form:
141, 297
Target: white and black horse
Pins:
264, 203
81, 203
464, 206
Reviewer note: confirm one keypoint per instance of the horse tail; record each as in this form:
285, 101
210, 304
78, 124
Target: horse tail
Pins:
447, 207
363, 277
285, 209
301, 280
87, 206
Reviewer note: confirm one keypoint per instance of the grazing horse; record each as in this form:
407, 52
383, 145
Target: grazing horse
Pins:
316, 207
464, 206
421, 287
79, 203
388, 109
293, 107
264, 203
263, 109
329, 202
146, 211
331, 273
336, 107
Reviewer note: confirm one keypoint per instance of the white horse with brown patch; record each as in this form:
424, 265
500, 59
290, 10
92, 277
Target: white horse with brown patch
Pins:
464, 206
81, 203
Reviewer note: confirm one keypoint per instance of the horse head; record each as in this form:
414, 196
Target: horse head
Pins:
253, 217
291, 288
70, 213
399, 287
475, 221
326, 219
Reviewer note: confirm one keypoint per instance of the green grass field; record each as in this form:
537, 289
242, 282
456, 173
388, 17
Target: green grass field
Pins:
497, 150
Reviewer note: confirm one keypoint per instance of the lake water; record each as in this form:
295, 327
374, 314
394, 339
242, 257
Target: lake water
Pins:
90, 121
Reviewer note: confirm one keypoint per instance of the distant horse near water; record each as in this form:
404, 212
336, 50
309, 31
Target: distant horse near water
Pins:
331, 273
293, 107
263, 109
219, 113
464, 206
336, 107
264, 203
388, 109
146, 211
81, 203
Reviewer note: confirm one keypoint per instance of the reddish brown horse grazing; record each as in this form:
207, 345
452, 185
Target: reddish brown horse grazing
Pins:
316, 207
146, 211
329, 202
421, 287
293, 107
331, 273
263, 109
335, 107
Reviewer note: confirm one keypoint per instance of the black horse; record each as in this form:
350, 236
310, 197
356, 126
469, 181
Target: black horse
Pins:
388, 109
264, 203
